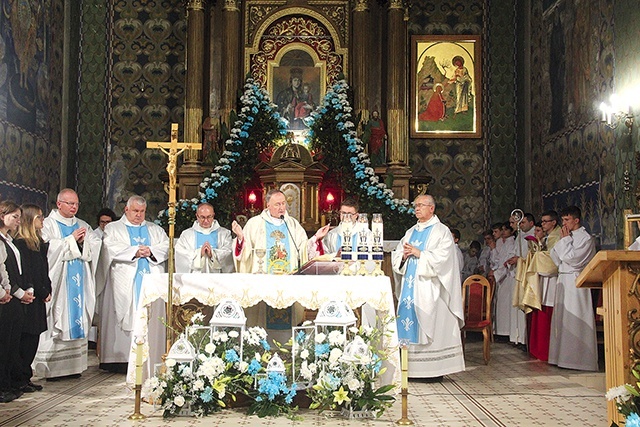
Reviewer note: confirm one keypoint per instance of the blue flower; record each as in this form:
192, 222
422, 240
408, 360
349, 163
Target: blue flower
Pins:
633, 420
207, 395
322, 349
244, 134
301, 336
231, 356
265, 345
254, 367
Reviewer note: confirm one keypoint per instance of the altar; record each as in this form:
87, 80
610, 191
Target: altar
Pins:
374, 294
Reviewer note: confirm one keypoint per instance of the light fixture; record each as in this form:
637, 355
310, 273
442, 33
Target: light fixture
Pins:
616, 112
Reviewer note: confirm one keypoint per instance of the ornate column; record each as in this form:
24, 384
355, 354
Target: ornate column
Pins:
231, 48
190, 173
396, 102
193, 111
361, 43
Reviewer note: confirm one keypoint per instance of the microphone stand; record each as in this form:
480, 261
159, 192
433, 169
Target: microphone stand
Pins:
293, 240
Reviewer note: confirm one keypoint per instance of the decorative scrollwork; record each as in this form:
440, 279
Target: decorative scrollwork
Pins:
634, 318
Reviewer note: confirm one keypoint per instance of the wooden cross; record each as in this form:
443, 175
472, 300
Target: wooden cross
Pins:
172, 149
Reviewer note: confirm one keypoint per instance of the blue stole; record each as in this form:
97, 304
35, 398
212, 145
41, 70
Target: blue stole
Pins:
139, 236
212, 238
407, 323
75, 288
278, 253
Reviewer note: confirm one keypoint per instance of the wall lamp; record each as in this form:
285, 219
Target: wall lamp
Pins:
615, 113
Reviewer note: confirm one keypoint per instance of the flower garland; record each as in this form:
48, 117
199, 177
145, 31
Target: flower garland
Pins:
336, 108
256, 128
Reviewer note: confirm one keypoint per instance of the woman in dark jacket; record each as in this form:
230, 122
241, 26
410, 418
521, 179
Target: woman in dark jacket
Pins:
12, 313
35, 269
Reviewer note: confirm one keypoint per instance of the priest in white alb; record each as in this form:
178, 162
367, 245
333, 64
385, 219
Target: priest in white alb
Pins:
332, 242
430, 313
132, 248
73, 258
206, 246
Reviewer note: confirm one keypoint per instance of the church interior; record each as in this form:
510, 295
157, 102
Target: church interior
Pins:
486, 106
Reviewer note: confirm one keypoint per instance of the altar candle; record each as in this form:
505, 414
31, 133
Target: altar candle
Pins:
138, 362
404, 365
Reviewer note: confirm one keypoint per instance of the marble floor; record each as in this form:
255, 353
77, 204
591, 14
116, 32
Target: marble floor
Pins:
513, 390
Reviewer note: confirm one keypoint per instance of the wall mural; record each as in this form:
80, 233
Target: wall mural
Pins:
572, 154
30, 97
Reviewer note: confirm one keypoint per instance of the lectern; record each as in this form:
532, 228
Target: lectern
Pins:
617, 273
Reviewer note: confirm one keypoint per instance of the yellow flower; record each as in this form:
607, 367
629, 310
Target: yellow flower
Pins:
341, 396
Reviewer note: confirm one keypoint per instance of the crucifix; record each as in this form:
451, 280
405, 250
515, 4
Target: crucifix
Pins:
172, 149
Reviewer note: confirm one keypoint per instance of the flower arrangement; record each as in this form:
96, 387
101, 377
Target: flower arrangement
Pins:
256, 128
218, 372
627, 398
349, 370
272, 396
333, 136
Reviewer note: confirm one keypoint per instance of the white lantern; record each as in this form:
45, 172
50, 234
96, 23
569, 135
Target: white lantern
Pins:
229, 315
303, 356
334, 315
182, 351
357, 351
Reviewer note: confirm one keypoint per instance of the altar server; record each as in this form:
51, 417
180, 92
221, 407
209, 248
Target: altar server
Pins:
332, 242
73, 259
206, 246
430, 312
573, 342
132, 248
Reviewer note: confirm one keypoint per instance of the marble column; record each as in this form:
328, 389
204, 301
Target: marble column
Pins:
361, 45
397, 129
231, 48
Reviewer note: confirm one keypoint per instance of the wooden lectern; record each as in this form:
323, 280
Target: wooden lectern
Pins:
617, 273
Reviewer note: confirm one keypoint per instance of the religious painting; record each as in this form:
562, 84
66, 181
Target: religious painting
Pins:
296, 84
446, 82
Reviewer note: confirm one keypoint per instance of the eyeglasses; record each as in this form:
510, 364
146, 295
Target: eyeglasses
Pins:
348, 213
546, 220
205, 218
421, 205
69, 203
105, 221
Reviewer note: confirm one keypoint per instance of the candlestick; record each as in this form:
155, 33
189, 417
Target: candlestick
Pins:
136, 414
404, 365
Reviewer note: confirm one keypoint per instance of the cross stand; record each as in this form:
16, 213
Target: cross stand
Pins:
172, 149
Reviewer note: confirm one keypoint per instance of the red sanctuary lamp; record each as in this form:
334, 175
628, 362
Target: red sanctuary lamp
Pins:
327, 217
252, 200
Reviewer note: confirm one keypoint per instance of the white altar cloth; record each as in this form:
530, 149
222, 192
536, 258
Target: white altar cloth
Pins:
277, 291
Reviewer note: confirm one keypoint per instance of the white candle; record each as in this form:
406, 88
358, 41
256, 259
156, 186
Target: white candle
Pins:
139, 363
404, 364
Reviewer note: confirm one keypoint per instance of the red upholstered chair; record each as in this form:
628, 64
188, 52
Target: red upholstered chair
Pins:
476, 300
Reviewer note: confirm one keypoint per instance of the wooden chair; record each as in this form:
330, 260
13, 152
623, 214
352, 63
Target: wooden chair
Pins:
476, 301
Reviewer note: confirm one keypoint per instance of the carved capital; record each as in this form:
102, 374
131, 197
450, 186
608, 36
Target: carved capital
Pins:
231, 6
396, 4
361, 6
195, 4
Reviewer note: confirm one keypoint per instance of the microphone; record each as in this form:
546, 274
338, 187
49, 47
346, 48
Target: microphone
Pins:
293, 240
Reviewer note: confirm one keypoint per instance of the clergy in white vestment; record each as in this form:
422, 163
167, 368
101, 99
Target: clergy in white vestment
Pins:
271, 243
430, 313
526, 228
73, 258
205, 247
505, 281
332, 242
104, 217
132, 247
573, 341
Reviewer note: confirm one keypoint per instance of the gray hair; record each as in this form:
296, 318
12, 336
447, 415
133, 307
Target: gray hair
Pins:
429, 199
138, 200
271, 193
65, 191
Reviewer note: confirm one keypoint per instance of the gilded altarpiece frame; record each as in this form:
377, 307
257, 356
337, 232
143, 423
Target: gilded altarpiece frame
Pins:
315, 36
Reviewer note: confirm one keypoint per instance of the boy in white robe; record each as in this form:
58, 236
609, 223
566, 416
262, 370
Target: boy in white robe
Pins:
205, 247
573, 341
132, 247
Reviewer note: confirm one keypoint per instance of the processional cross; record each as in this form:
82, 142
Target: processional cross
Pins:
172, 149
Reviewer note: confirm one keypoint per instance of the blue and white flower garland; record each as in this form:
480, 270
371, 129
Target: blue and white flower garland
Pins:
336, 99
254, 99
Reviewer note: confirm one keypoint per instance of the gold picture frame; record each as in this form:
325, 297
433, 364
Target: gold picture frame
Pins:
446, 85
